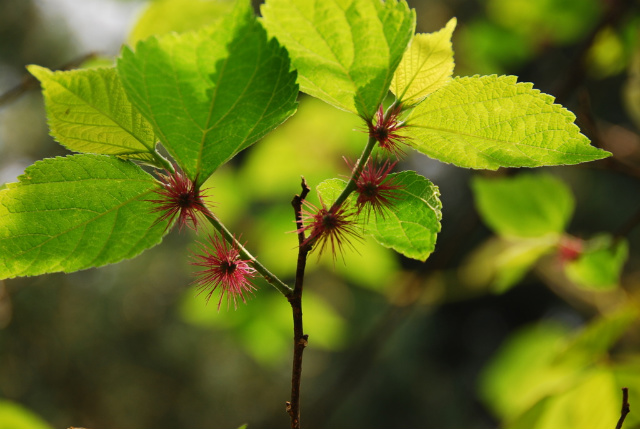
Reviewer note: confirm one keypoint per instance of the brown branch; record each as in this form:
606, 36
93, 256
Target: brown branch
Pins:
625, 407
295, 299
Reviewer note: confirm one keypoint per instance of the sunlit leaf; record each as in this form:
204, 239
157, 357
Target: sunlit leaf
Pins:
487, 122
593, 402
426, 66
212, 93
88, 111
164, 16
525, 205
82, 211
345, 51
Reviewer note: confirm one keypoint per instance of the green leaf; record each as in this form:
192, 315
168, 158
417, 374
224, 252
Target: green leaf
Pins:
554, 371
526, 363
411, 226
426, 66
88, 111
489, 122
526, 205
212, 93
599, 266
15, 416
592, 402
164, 16
82, 211
345, 51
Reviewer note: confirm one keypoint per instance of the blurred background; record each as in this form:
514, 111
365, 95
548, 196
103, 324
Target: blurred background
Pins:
486, 333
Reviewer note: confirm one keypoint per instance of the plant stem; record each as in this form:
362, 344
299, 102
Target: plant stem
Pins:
625, 407
163, 162
295, 300
272, 279
357, 171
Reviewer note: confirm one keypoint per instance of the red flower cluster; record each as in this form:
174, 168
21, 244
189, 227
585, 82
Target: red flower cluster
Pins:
386, 131
223, 269
375, 188
332, 226
179, 197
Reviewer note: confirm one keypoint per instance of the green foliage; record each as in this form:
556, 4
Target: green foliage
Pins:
81, 211
530, 213
546, 376
88, 111
345, 52
599, 266
212, 93
164, 16
526, 205
491, 121
15, 416
426, 66
411, 225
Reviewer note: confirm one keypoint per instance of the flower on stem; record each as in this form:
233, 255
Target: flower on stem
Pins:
223, 269
376, 190
178, 197
332, 226
385, 131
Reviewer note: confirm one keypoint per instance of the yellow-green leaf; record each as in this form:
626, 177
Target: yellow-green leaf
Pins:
164, 16
426, 66
88, 111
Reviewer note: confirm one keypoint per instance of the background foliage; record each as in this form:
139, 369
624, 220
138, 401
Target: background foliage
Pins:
498, 326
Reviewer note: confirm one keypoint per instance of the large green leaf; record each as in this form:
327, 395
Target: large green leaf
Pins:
164, 16
82, 211
426, 66
491, 121
526, 205
209, 94
345, 50
88, 111
411, 225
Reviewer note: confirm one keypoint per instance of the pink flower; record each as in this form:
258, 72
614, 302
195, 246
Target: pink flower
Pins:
223, 269
375, 188
332, 226
179, 197
385, 131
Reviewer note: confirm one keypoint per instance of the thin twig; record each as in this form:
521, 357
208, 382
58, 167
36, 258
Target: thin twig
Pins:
295, 299
625, 407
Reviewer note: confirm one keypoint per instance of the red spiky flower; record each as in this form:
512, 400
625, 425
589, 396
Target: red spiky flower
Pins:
333, 226
178, 197
376, 190
386, 131
223, 269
